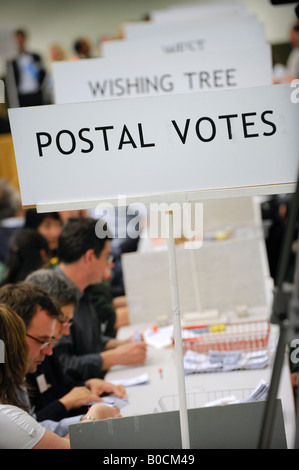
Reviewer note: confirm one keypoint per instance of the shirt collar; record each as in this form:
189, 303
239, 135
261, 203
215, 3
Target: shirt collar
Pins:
79, 293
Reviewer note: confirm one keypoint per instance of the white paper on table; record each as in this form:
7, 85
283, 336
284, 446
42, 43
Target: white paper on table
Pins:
114, 400
222, 401
161, 338
111, 400
224, 361
141, 379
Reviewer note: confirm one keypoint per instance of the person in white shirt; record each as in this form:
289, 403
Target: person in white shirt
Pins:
19, 430
29, 72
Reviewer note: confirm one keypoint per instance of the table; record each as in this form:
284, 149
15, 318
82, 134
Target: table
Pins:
162, 390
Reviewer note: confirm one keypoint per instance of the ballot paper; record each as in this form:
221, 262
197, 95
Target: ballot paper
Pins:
259, 393
139, 380
224, 361
222, 401
255, 360
114, 400
111, 400
161, 337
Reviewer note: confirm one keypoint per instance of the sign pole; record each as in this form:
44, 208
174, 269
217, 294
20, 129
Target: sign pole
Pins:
195, 280
177, 335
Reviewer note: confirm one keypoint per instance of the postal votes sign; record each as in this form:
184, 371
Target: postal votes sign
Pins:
154, 75
159, 145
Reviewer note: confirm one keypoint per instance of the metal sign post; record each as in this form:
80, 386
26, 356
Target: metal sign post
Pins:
177, 335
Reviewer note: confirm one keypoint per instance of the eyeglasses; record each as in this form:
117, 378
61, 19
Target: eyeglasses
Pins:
66, 323
44, 344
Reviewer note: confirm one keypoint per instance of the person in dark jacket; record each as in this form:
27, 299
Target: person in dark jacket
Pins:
54, 394
29, 72
84, 254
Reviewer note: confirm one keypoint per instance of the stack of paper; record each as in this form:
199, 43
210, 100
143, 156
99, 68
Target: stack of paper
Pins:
260, 393
255, 360
223, 361
159, 338
131, 382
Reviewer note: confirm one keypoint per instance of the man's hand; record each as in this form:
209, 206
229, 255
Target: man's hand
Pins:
78, 397
99, 386
102, 411
125, 354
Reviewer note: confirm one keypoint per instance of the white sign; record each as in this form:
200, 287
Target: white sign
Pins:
126, 77
162, 145
243, 34
141, 29
203, 10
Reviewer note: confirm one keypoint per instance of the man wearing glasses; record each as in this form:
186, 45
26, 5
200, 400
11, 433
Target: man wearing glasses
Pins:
55, 395
39, 314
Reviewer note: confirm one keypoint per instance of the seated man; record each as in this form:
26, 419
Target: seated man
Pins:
83, 259
54, 394
19, 430
39, 313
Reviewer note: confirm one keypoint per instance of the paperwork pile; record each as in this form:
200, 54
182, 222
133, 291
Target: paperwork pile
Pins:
223, 361
260, 393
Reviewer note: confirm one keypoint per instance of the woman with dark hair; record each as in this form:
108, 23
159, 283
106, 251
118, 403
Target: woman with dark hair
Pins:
19, 430
12, 333
48, 224
29, 251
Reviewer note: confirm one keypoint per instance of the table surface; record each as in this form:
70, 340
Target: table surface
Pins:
161, 393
